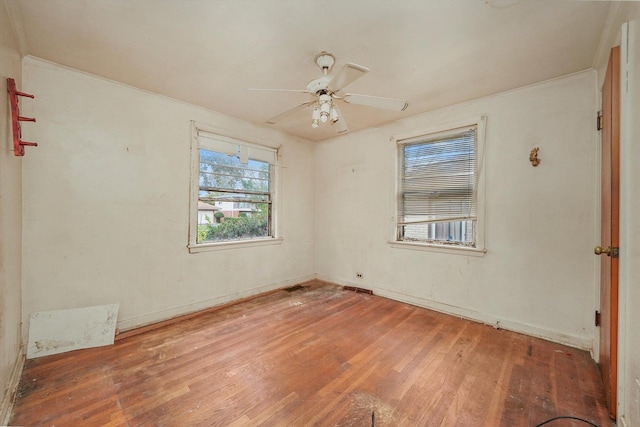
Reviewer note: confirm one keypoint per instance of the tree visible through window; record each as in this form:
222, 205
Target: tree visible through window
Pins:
236, 180
437, 188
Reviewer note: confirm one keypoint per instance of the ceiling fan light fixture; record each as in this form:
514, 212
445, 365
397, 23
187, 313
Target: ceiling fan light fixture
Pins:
325, 107
324, 115
334, 115
315, 116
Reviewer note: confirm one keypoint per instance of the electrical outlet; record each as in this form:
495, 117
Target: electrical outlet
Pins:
359, 275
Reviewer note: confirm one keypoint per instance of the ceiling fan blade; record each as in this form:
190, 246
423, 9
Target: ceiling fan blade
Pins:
274, 120
347, 74
341, 124
377, 101
278, 90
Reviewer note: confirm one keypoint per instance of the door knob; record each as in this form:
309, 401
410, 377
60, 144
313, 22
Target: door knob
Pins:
599, 250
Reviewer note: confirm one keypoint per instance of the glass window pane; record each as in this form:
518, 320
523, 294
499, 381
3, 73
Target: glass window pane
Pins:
234, 199
455, 232
245, 221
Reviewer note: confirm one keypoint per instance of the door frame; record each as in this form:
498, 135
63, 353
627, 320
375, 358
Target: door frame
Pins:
628, 153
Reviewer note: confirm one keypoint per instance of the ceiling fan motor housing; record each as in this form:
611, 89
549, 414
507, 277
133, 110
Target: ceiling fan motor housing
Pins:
319, 85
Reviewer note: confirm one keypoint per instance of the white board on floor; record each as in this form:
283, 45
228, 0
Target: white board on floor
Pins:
53, 332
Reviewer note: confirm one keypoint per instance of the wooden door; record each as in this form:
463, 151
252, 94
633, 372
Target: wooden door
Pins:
608, 249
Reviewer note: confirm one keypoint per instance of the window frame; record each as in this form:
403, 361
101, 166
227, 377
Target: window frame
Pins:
193, 245
400, 140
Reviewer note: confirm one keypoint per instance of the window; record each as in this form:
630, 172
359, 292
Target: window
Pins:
233, 190
438, 189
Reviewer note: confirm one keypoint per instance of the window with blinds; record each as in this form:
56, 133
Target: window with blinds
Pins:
235, 190
437, 189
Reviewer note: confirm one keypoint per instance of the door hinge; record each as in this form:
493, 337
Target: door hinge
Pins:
615, 252
599, 121
597, 318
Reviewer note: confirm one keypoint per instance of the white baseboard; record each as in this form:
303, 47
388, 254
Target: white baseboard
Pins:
579, 342
159, 316
6, 407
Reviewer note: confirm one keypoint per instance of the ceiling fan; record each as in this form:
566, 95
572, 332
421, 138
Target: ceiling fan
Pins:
327, 90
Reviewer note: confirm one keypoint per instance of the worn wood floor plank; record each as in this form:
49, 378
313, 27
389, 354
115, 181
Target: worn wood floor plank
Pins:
318, 355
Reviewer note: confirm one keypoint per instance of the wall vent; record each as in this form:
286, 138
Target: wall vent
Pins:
358, 290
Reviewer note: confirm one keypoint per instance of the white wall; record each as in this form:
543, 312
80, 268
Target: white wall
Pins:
10, 224
539, 274
109, 154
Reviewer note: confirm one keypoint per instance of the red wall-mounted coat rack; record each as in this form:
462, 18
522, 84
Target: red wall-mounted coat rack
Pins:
16, 118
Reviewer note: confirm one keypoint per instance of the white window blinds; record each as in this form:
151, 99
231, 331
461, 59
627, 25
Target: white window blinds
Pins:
438, 178
232, 147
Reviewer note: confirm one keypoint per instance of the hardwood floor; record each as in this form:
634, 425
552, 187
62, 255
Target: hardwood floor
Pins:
318, 355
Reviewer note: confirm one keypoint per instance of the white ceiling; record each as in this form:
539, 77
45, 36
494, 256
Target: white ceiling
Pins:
433, 53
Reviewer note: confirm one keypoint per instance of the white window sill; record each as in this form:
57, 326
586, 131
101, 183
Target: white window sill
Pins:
446, 249
206, 247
